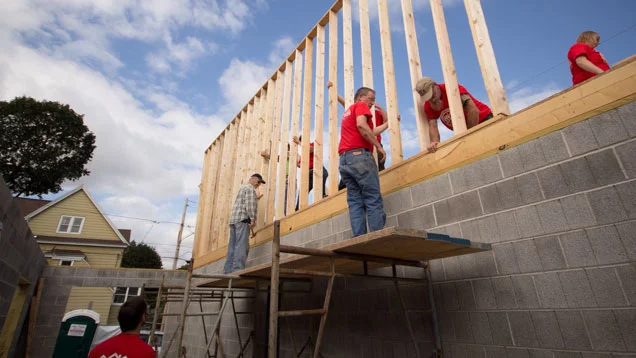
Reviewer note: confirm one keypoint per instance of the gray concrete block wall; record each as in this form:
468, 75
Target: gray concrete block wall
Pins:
56, 289
560, 213
20, 260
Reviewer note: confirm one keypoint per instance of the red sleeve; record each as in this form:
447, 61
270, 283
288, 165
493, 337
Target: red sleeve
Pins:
578, 50
463, 90
361, 109
430, 114
379, 120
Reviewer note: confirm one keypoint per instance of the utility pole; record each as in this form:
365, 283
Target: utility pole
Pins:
176, 254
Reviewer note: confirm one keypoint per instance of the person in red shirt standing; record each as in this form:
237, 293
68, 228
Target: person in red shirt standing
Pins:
131, 317
585, 61
325, 173
357, 165
434, 104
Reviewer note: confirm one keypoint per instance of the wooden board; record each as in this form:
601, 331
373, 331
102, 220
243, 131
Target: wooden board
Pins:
392, 242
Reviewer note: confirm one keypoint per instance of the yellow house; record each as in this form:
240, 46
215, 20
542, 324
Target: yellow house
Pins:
74, 231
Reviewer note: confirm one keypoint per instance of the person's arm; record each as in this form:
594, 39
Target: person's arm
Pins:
385, 124
433, 131
367, 133
251, 206
472, 112
265, 154
340, 99
587, 65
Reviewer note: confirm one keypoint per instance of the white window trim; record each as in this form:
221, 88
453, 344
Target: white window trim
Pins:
128, 295
72, 261
70, 225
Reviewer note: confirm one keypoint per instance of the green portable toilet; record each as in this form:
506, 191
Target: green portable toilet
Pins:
76, 334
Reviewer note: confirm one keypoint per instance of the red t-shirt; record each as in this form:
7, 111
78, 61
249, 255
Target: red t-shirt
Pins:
350, 137
379, 120
311, 157
123, 345
581, 49
445, 116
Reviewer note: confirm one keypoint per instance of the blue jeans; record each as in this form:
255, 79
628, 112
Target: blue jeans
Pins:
238, 247
360, 175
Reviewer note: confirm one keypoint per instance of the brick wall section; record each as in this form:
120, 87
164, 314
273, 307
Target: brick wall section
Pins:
57, 288
20, 256
560, 213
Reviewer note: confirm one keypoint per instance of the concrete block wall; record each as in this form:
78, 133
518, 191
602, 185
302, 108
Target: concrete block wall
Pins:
56, 290
20, 258
560, 213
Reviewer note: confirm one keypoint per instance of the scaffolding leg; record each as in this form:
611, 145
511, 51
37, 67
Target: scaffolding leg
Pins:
406, 315
186, 302
273, 301
238, 331
152, 338
431, 298
325, 307
217, 323
205, 332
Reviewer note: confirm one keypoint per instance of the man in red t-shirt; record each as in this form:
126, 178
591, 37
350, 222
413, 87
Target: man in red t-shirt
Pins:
433, 104
357, 165
131, 317
325, 173
585, 61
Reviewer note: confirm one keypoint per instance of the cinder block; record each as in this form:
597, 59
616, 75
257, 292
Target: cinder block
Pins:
627, 325
449, 296
509, 194
391, 221
527, 256
550, 253
626, 155
553, 182
495, 352
604, 332
431, 190
566, 354
605, 167
580, 138
517, 352
606, 287
553, 147
341, 222
461, 207
452, 268
529, 188
523, 329
398, 202
485, 264
465, 295
525, 291
470, 230
578, 213
627, 193
511, 162
481, 327
607, 245
573, 330
527, 219
607, 206
547, 329
540, 353
627, 275
476, 174
504, 293
577, 249
468, 266
484, 294
608, 128
506, 258
463, 330
499, 328
627, 113
490, 199
550, 291
577, 289
507, 226
421, 218
532, 155
578, 175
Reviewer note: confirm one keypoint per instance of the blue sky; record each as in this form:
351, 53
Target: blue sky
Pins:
158, 80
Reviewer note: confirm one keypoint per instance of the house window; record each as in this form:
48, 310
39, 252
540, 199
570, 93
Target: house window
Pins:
70, 224
122, 294
66, 262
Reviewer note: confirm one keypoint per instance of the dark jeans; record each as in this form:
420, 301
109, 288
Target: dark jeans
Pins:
238, 247
360, 175
325, 175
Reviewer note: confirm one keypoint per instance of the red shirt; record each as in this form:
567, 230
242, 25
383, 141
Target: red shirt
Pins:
350, 137
379, 120
123, 345
581, 49
311, 157
445, 116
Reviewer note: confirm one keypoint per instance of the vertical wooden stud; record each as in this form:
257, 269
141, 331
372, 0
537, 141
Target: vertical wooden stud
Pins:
333, 102
284, 142
295, 120
307, 96
319, 112
274, 150
347, 49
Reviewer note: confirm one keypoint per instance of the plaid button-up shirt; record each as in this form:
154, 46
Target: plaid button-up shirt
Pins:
245, 205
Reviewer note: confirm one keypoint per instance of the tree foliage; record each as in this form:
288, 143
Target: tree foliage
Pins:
42, 143
141, 256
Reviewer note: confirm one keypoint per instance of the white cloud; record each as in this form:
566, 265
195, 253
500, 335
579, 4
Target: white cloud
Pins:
527, 96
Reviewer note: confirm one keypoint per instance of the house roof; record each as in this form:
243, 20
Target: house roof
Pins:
28, 205
90, 197
125, 233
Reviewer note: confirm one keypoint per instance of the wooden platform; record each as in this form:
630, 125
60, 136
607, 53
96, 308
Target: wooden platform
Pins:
389, 243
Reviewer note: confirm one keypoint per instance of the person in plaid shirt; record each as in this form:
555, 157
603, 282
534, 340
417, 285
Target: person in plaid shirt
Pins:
243, 219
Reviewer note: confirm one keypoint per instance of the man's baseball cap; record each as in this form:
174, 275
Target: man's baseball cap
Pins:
259, 177
425, 86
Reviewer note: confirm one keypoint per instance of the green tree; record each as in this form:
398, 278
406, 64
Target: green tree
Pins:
42, 144
141, 256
